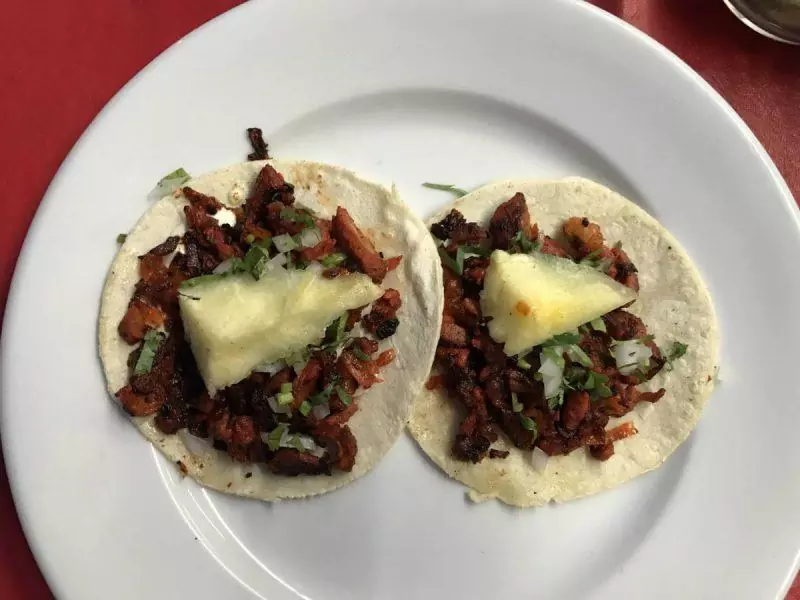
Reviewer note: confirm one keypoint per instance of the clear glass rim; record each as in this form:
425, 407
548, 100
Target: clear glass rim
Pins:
761, 24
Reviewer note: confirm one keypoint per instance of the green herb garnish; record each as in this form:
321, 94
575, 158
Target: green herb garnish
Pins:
553, 353
174, 180
325, 395
598, 325
597, 384
254, 262
295, 216
443, 187
516, 405
576, 354
523, 364
121, 238
448, 261
152, 341
562, 339
525, 244
343, 395
360, 354
333, 260
678, 350
274, 436
529, 424
305, 408
336, 333
556, 400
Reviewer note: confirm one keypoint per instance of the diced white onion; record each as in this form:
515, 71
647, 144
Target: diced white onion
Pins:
309, 445
286, 439
275, 263
225, 216
629, 355
310, 237
306, 441
539, 459
552, 376
320, 411
224, 266
297, 361
284, 243
270, 368
645, 409
290, 440
281, 409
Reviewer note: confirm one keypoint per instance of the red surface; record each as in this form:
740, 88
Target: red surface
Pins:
62, 61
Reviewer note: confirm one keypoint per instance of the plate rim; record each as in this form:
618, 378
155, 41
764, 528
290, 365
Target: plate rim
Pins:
13, 468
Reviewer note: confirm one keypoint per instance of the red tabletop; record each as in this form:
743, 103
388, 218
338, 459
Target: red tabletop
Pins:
62, 61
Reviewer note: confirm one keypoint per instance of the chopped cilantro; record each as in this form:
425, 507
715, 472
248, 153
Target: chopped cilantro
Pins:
449, 262
598, 325
274, 436
121, 238
525, 244
529, 424
678, 350
360, 355
296, 216
343, 395
516, 405
333, 260
562, 339
446, 188
557, 400
152, 341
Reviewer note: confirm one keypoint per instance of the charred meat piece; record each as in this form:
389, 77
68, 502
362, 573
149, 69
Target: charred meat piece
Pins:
358, 246
291, 462
456, 228
326, 245
202, 202
622, 325
575, 408
138, 405
168, 246
550, 246
306, 382
270, 187
470, 443
583, 235
138, 320
382, 320
452, 334
603, 452
340, 444
510, 218
260, 147
622, 269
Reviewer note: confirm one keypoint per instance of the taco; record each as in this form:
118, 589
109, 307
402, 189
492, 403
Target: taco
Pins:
578, 345
268, 325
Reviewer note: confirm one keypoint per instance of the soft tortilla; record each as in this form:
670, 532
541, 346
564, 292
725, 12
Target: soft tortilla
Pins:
384, 408
674, 304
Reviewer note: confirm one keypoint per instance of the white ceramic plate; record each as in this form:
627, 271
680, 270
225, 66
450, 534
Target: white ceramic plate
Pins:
413, 91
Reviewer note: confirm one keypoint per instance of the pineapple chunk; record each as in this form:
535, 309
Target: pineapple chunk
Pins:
236, 323
532, 297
